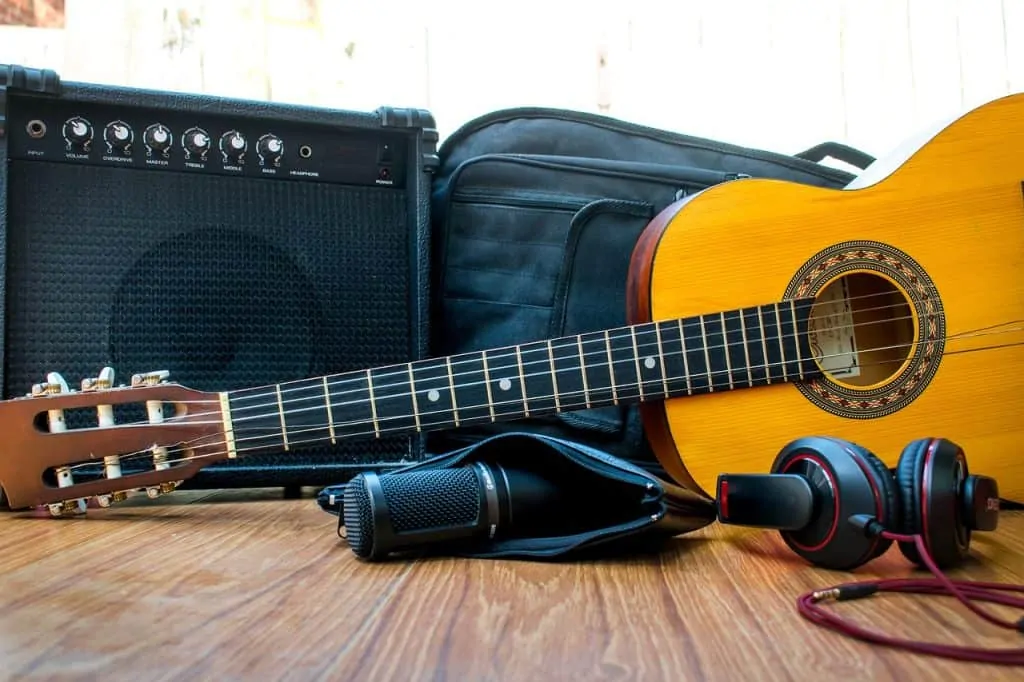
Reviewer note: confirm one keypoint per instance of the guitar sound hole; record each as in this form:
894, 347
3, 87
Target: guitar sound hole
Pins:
861, 329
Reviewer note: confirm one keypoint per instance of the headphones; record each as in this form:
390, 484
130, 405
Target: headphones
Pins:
838, 506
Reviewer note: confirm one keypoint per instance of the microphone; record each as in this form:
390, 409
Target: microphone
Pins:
402, 511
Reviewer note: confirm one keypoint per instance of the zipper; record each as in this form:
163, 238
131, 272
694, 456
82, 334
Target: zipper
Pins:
518, 199
626, 127
640, 171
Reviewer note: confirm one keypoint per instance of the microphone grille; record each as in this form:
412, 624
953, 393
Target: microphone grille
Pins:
435, 498
358, 517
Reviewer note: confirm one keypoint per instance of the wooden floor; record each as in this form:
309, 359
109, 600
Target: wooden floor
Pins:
246, 586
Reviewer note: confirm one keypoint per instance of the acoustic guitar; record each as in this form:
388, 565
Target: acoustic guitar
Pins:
760, 311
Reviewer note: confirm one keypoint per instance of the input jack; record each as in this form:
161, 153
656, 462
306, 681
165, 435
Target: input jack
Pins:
305, 151
36, 129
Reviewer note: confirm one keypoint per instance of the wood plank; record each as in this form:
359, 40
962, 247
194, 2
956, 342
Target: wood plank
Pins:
244, 585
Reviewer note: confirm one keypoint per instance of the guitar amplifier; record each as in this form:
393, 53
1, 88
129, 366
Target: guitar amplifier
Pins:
232, 243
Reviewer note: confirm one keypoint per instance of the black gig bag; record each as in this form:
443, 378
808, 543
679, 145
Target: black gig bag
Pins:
535, 213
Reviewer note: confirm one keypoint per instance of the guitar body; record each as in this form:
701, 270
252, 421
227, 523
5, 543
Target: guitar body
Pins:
925, 267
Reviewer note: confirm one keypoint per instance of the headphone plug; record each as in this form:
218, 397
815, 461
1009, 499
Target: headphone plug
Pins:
869, 524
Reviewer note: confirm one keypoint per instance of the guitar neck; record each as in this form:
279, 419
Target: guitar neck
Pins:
741, 348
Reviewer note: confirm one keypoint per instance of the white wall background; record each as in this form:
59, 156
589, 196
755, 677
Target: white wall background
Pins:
776, 74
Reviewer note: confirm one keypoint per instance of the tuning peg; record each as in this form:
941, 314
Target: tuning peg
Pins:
54, 383
104, 381
150, 378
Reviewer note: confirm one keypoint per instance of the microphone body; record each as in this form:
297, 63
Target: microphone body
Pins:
398, 512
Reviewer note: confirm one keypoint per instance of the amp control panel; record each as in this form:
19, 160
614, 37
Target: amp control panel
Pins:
137, 137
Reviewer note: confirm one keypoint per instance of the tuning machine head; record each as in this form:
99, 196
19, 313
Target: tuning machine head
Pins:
54, 384
150, 378
104, 381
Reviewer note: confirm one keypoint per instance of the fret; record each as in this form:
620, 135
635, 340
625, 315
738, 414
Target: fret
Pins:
373, 403
735, 351
724, 349
539, 385
661, 358
791, 349
432, 380
796, 339
391, 400
674, 365
565, 358
280, 412
451, 389
487, 385
708, 367
801, 310
684, 352
766, 362
598, 379
415, 403
522, 380
780, 331
471, 388
719, 372
330, 413
650, 367
746, 350
754, 345
696, 357
506, 383
583, 371
772, 345
624, 364
611, 368
554, 378
636, 361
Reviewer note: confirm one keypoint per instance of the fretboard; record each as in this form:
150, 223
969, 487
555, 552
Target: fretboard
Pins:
724, 351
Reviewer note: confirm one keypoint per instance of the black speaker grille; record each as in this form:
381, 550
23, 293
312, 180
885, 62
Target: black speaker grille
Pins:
435, 498
226, 282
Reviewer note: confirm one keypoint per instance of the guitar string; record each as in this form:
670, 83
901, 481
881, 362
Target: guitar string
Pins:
647, 339
315, 385
275, 413
188, 445
197, 442
569, 342
658, 381
401, 369
643, 333
320, 399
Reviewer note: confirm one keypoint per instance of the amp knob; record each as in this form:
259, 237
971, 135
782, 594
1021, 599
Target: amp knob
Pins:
233, 145
78, 132
196, 142
158, 139
270, 147
119, 136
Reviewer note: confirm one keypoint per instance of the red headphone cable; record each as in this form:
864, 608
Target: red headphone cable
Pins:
967, 592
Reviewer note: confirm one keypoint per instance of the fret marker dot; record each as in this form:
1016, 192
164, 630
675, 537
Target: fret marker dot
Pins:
505, 384
433, 395
649, 363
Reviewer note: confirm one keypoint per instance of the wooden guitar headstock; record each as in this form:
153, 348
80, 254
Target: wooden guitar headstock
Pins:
61, 447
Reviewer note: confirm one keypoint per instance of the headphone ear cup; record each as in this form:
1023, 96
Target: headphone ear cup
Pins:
845, 482
930, 474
